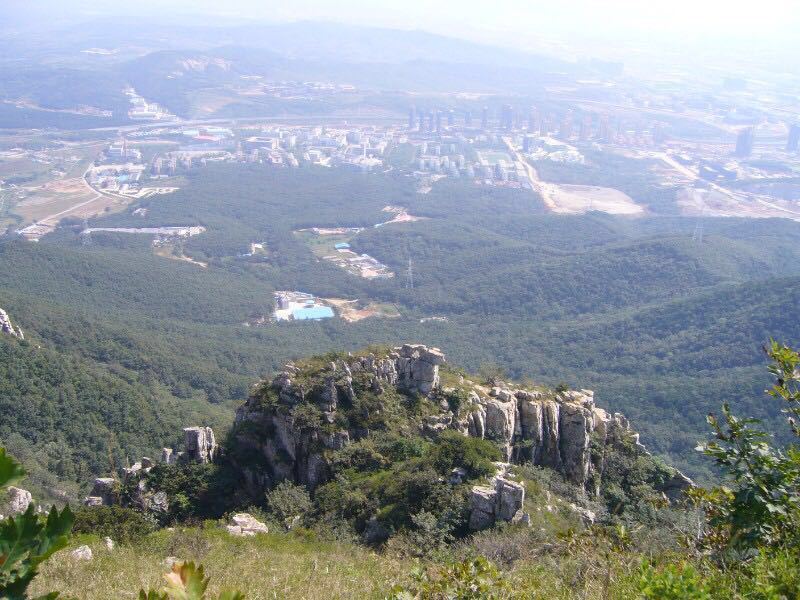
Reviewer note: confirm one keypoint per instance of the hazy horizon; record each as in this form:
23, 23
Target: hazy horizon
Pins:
766, 27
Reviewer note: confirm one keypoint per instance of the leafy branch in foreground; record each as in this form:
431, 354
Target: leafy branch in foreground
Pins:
186, 581
762, 508
28, 539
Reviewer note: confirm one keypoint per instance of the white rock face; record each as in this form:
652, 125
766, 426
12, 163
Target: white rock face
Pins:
200, 444
6, 326
244, 524
109, 543
82, 553
501, 500
18, 501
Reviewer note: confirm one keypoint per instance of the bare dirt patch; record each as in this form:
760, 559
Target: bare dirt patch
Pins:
353, 311
575, 199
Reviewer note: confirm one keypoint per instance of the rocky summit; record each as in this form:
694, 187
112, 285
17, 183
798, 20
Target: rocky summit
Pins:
307, 411
397, 423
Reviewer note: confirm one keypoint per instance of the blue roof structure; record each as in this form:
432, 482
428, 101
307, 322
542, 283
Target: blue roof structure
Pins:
341, 246
312, 313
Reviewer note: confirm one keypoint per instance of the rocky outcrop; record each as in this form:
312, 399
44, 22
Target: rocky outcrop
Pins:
201, 447
561, 430
296, 451
245, 525
18, 501
418, 368
105, 492
7, 327
501, 500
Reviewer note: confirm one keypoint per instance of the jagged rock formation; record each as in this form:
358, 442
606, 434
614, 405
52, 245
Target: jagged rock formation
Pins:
200, 444
6, 326
104, 492
561, 430
501, 500
297, 453
201, 447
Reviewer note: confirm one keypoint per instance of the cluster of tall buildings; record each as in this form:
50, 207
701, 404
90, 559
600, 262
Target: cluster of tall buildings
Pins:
746, 138
121, 151
566, 126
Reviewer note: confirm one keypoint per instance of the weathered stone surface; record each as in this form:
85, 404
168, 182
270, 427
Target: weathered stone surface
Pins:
18, 501
547, 452
245, 524
500, 420
501, 501
167, 456
510, 496
7, 327
82, 553
417, 368
104, 488
476, 420
433, 425
544, 428
483, 502
576, 426
200, 444
109, 543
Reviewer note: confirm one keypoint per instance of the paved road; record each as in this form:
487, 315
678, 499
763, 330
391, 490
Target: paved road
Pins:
537, 184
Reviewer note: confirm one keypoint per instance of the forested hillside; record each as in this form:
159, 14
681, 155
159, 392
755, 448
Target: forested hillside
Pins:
632, 308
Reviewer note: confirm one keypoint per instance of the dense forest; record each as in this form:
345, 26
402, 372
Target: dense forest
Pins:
632, 308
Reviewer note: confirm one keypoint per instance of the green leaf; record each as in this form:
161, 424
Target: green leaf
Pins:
10, 470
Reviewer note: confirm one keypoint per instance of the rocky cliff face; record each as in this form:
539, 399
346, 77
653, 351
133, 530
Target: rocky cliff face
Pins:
561, 430
7, 327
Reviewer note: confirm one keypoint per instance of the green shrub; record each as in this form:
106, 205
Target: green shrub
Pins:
475, 455
362, 455
762, 506
475, 579
288, 500
673, 582
119, 523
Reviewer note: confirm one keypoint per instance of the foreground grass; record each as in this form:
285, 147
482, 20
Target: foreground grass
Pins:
265, 567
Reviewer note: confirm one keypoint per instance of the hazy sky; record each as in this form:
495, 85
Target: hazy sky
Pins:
513, 22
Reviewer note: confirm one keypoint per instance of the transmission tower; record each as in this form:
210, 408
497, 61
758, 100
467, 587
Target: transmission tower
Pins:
697, 235
410, 275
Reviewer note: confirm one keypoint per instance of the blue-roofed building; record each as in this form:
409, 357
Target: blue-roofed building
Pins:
307, 313
342, 246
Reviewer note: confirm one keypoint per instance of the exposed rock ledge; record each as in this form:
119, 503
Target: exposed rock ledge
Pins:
6, 326
561, 430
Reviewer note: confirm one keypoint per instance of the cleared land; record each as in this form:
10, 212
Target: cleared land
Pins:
574, 199
354, 310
